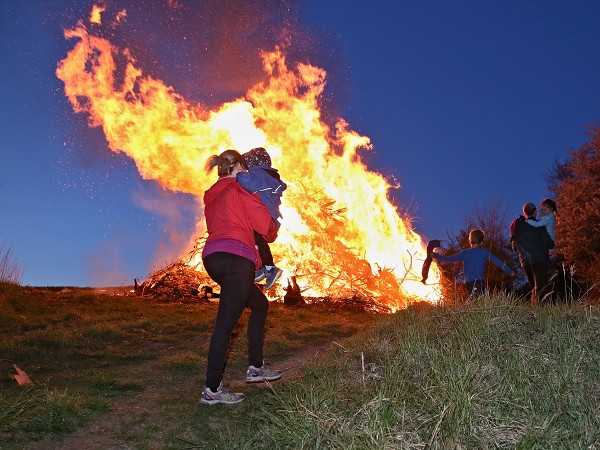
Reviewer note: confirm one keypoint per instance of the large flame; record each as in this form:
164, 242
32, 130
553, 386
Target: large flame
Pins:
341, 236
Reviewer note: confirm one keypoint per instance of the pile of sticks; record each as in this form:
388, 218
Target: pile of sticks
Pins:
176, 282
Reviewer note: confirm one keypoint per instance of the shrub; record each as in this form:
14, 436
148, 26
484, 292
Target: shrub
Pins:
577, 188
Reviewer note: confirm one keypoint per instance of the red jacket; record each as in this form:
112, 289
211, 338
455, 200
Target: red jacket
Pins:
233, 213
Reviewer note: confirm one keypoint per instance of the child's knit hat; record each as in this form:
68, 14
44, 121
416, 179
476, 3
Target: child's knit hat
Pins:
256, 157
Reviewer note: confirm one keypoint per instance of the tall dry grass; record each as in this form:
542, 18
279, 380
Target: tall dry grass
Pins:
493, 374
10, 270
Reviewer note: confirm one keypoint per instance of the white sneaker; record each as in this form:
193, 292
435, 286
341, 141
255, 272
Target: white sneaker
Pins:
264, 373
222, 395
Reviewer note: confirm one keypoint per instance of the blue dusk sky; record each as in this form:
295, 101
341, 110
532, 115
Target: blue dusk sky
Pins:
465, 102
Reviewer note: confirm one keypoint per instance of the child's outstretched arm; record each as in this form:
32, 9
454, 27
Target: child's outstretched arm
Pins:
506, 269
545, 220
452, 258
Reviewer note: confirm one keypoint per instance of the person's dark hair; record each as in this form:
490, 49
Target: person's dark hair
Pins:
476, 236
225, 162
256, 157
549, 203
529, 209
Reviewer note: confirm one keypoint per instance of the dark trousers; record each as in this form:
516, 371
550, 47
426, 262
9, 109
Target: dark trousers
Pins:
537, 275
263, 250
475, 287
235, 276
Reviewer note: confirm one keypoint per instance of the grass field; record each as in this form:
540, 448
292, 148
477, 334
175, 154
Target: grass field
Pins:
121, 372
117, 370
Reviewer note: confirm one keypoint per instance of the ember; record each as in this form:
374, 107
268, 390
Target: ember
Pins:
341, 236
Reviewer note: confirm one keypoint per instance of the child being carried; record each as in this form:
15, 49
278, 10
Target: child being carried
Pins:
547, 218
263, 179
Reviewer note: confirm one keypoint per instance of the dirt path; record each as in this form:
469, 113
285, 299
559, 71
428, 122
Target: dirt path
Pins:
102, 434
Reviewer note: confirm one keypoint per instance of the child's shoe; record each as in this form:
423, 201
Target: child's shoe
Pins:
260, 274
272, 275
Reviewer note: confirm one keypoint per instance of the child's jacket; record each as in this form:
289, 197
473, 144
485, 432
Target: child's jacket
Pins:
265, 181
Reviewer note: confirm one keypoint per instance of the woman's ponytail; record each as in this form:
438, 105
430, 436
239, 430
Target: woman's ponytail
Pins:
225, 162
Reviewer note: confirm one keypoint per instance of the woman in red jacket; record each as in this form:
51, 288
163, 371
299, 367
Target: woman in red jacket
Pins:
230, 259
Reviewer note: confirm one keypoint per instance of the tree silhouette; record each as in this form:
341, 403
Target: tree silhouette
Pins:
576, 184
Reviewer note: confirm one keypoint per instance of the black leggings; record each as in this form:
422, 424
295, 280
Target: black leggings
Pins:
235, 275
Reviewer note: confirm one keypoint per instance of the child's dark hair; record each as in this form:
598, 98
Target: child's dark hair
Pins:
476, 236
256, 157
549, 203
225, 162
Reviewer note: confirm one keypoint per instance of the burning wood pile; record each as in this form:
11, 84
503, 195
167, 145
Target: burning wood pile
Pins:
178, 281
184, 280
342, 235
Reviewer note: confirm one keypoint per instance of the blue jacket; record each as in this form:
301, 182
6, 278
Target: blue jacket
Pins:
474, 259
265, 181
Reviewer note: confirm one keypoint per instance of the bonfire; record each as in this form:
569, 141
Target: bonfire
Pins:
341, 237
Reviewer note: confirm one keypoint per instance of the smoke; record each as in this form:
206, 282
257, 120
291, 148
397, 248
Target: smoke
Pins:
179, 214
178, 223
107, 266
208, 50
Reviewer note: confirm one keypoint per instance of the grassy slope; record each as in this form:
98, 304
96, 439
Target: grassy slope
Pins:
109, 369
490, 375
112, 371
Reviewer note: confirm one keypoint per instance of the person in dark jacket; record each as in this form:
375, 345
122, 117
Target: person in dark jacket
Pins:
264, 180
533, 246
230, 258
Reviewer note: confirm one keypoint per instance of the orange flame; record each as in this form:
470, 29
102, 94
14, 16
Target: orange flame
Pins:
96, 14
341, 236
